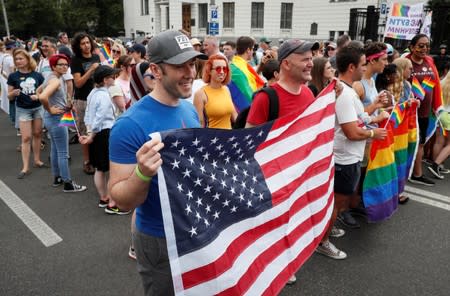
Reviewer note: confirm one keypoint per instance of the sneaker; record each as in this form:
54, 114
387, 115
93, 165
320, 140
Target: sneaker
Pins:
443, 170
116, 211
337, 232
329, 250
346, 219
427, 161
421, 180
291, 280
57, 182
435, 170
102, 203
71, 186
132, 253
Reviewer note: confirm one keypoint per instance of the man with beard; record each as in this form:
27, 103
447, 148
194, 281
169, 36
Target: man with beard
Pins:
83, 66
135, 159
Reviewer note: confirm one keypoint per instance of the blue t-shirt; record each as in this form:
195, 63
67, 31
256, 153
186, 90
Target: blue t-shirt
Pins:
28, 84
131, 131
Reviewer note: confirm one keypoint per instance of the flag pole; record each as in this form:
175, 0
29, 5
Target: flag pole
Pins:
75, 122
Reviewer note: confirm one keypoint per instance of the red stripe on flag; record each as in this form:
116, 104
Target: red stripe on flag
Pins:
271, 253
225, 261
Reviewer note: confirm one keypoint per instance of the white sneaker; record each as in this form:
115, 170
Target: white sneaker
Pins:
328, 249
291, 280
337, 232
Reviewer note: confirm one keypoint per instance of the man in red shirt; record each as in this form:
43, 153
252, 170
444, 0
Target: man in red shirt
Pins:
295, 57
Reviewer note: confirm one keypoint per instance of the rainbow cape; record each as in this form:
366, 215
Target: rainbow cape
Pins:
417, 89
400, 9
390, 165
244, 82
67, 119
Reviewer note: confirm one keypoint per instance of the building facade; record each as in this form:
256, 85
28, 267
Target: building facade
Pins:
307, 19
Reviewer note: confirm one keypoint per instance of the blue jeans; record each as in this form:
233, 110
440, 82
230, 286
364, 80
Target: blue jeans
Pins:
59, 152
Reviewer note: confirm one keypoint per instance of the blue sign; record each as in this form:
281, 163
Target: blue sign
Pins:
214, 13
213, 29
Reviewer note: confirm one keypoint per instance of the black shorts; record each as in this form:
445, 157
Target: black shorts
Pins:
99, 151
423, 126
346, 178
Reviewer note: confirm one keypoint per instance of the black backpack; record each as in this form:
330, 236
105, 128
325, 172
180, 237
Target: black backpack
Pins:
241, 119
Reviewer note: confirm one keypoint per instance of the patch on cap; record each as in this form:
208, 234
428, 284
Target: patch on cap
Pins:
183, 41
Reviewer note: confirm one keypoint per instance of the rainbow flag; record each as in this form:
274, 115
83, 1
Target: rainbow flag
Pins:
428, 84
67, 119
417, 89
34, 44
106, 52
244, 82
389, 167
400, 10
398, 113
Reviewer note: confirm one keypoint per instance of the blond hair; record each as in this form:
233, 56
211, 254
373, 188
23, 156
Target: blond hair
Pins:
445, 86
397, 87
31, 62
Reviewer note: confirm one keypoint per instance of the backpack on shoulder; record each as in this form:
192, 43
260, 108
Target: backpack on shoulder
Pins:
241, 119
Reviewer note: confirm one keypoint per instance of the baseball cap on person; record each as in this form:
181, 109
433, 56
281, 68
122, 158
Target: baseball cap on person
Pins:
172, 47
103, 71
265, 40
195, 41
138, 48
295, 46
443, 46
10, 44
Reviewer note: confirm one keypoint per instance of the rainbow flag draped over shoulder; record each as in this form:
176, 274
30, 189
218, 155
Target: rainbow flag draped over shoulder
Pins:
244, 82
390, 164
67, 119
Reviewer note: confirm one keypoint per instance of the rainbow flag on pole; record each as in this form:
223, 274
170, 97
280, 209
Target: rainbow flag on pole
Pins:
428, 84
390, 164
106, 52
244, 82
67, 119
417, 89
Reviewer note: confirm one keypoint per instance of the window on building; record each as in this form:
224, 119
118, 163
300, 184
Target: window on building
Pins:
203, 15
228, 14
144, 7
332, 35
257, 15
313, 29
286, 15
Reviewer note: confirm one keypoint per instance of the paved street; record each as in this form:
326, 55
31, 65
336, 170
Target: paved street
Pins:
87, 249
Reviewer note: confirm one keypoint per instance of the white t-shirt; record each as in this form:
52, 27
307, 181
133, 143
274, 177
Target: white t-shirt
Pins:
349, 108
7, 64
196, 85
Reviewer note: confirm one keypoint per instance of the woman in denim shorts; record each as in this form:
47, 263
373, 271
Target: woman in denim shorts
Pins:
21, 85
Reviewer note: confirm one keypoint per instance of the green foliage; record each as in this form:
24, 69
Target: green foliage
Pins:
48, 17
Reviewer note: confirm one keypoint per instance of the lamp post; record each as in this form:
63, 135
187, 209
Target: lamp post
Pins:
5, 16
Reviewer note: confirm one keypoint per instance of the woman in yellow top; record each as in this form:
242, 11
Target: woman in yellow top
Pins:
213, 101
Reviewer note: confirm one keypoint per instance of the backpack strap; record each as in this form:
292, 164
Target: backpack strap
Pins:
273, 102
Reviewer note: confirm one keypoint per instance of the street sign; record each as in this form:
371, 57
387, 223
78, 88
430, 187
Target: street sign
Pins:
214, 13
213, 29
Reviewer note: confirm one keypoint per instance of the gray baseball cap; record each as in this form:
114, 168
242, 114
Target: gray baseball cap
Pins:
295, 46
172, 47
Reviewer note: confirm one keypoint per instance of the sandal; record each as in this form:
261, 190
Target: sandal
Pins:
402, 199
88, 168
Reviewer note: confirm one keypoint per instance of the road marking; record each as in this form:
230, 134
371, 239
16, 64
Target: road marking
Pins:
429, 198
39, 228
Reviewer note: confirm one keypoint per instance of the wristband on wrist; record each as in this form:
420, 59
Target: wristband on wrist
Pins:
141, 175
371, 133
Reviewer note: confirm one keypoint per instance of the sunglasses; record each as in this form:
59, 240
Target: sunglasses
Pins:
115, 51
221, 69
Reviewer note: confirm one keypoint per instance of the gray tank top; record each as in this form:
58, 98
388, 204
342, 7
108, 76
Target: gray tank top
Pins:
58, 99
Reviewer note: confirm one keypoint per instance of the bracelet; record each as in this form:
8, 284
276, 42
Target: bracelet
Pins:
141, 175
372, 133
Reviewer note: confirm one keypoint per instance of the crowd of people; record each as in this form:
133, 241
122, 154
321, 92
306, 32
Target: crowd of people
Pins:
121, 94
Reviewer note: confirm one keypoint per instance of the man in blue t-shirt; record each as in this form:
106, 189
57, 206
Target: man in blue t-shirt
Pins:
134, 155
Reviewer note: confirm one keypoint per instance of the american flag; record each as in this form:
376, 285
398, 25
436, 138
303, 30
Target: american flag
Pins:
244, 209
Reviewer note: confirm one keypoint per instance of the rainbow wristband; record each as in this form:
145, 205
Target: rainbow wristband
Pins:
141, 175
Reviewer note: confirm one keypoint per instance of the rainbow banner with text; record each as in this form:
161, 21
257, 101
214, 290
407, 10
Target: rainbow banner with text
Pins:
404, 21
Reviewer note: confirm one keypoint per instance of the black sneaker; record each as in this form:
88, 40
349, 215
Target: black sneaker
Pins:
57, 182
346, 219
102, 203
115, 211
71, 186
421, 180
435, 170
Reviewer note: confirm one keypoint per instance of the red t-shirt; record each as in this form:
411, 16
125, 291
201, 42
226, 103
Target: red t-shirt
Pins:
422, 71
287, 103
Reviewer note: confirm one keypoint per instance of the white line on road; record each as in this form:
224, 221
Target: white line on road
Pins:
39, 228
427, 194
429, 198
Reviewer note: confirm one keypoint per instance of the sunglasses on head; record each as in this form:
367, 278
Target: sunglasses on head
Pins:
221, 69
